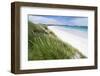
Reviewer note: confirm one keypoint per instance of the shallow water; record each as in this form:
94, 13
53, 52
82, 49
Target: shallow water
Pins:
78, 28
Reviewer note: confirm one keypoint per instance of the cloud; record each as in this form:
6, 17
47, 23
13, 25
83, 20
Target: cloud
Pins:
72, 21
43, 20
79, 21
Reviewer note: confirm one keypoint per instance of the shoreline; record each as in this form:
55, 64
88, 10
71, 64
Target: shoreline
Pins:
73, 37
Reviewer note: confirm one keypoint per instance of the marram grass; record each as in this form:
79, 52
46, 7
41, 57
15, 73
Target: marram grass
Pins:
44, 45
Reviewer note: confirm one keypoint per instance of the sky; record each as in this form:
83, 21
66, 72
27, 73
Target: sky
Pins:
59, 20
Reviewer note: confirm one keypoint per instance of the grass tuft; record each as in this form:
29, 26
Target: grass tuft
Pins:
43, 44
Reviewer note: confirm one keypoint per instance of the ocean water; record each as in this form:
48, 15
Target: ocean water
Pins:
81, 31
78, 28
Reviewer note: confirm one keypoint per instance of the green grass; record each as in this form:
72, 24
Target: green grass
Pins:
44, 45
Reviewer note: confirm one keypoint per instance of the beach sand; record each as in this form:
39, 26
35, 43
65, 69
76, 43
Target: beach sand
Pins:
75, 38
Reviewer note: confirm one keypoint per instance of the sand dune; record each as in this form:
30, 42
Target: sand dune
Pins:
77, 39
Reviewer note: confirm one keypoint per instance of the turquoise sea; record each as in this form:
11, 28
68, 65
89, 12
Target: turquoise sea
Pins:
78, 28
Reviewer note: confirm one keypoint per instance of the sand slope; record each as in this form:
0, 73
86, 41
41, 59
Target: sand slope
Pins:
77, 39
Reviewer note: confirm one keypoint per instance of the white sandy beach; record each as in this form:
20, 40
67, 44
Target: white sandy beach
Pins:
77, 39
